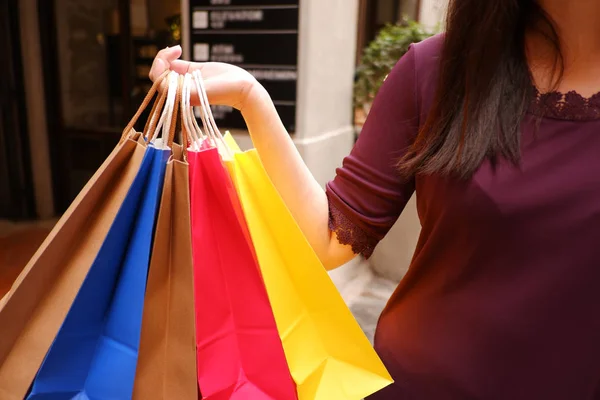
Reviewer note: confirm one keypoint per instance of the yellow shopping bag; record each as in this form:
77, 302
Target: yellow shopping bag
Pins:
328, 354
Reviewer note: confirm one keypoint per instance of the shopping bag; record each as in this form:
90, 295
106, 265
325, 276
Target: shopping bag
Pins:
94, 355
167, 357
240, 355
34, 309
328, 354
209, 139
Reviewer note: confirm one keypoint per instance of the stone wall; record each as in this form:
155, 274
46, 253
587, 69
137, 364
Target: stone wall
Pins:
433, 12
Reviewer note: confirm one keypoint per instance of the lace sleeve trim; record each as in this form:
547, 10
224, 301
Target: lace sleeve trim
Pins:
570, 106
348, 233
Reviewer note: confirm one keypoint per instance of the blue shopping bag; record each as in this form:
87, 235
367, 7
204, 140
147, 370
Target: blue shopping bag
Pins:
94, 355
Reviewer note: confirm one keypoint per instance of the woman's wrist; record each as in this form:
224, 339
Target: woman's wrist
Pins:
256, 97
259, 112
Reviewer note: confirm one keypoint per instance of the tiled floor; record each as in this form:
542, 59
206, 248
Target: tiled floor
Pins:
368, 305
18, 242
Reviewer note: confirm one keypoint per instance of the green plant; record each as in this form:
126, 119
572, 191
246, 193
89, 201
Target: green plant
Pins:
174, 27
381, 55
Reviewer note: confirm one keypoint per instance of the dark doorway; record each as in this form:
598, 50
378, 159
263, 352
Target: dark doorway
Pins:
97, 55
16, 184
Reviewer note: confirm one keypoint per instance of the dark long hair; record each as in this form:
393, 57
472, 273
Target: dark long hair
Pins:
484, 87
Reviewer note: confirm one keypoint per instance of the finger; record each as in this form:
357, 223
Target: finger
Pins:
217, 92
163, 61
183, 67
158, 67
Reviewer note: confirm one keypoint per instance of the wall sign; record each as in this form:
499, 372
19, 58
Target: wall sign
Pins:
260, 36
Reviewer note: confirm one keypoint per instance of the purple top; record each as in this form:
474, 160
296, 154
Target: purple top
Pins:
502, 298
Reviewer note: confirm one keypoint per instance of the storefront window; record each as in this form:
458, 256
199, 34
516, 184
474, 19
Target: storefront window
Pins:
97, 56
103, 62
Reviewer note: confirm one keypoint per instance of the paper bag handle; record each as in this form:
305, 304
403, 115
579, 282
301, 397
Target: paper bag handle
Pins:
155, 115
176, 109
189, 123
145, 102
184, 128
163, 127
211, 126
170, 113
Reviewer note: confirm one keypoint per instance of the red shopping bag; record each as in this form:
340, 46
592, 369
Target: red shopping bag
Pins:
240, 354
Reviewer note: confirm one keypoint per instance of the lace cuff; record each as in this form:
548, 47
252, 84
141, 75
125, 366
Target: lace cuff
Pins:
348, 233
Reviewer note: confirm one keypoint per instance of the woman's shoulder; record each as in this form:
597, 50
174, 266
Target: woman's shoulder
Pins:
426, 56
429, 49
422, 58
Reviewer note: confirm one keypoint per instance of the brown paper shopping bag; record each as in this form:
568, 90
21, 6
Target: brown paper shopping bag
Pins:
34, 309
167, 355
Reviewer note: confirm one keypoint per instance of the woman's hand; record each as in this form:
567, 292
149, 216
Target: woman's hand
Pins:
225, 84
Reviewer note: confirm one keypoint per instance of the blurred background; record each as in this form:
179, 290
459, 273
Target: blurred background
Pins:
75, 71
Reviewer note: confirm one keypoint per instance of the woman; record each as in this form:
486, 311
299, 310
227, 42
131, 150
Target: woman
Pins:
502, 298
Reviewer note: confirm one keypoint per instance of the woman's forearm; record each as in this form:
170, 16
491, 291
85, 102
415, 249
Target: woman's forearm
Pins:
229, 85
302, 194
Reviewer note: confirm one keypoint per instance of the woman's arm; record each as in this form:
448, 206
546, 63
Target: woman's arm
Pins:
304, 197
300, 191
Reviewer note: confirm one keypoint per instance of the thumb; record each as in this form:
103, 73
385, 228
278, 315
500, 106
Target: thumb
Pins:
163, 61
172, 53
